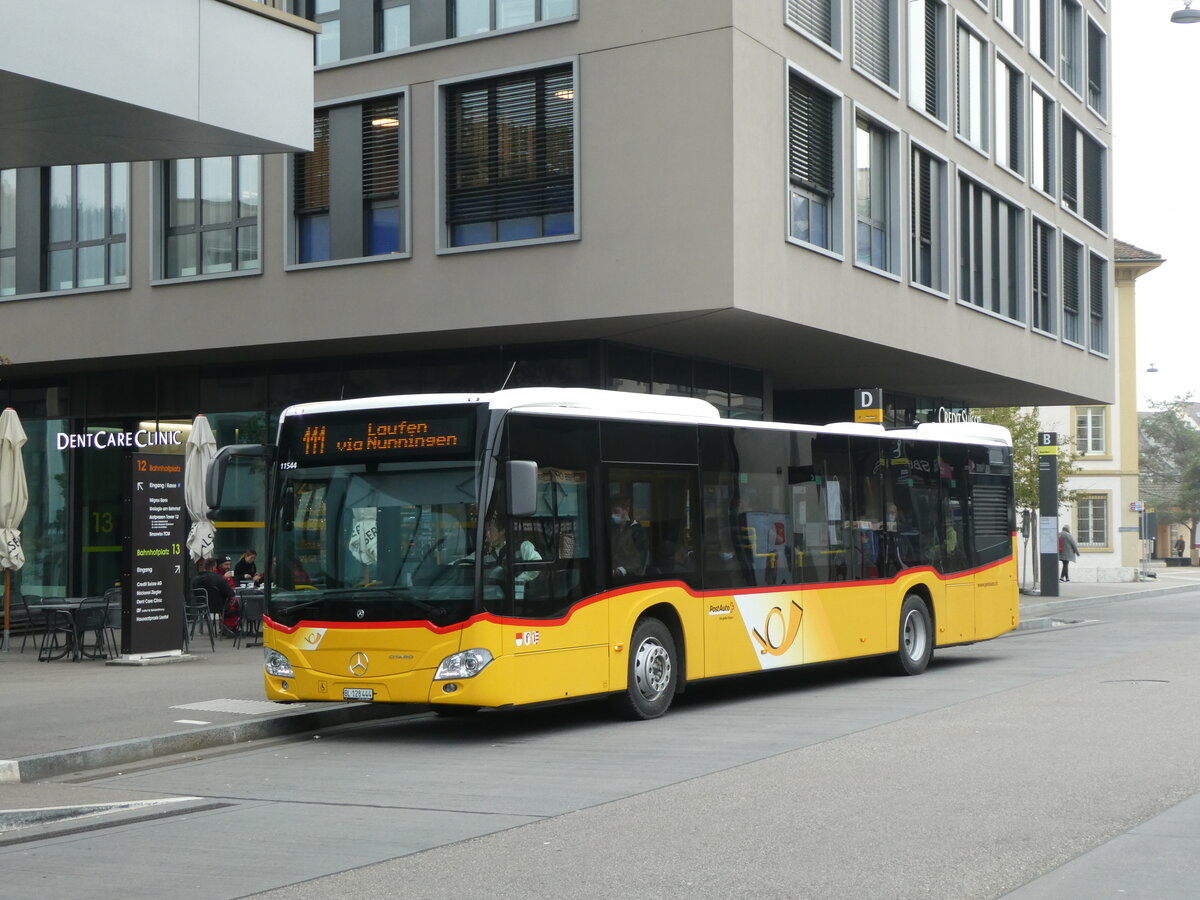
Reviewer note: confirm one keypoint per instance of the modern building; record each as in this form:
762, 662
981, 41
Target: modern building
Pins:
764, 203
1104, 516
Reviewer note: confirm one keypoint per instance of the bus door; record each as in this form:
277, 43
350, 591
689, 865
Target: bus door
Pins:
540, 571
952, 556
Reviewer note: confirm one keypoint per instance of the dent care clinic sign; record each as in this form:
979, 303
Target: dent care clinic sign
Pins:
101, 439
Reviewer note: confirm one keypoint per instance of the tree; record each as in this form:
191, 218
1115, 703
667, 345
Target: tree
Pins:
1170, 463
1024, 425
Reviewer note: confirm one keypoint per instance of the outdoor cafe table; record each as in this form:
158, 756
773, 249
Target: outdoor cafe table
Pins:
74, 606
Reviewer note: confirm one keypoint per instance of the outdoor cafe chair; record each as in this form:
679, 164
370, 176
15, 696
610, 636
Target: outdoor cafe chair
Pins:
250, 618
112, 623
196, 615
35, 619
60, 623
91, 622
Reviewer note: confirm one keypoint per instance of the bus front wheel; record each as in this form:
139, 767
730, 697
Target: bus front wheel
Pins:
916, 637
653, 672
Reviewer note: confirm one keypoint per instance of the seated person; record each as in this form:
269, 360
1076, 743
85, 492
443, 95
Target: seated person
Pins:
219, 591
627, 540
497, 559
245, 569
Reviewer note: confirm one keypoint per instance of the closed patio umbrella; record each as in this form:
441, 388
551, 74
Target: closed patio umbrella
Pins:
199, 451
14, 500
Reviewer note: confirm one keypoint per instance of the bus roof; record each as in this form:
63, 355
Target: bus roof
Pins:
624, 404
612, 403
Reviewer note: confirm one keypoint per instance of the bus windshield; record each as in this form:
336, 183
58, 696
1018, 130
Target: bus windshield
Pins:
375, 542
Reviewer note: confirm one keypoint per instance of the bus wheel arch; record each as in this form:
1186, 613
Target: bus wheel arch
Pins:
916, 633
654, 669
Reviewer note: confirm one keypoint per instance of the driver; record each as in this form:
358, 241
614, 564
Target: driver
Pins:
496, 554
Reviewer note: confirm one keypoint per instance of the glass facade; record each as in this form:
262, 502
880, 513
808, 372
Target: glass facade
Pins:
76, 517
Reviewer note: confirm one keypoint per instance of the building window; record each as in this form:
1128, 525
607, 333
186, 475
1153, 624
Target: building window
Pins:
1010, 14
812, 164
1097, 303
928, 205
1010, 117
972, 90
1071, 40
360, 148
990, 251
510, 158
1097, 69
393, 25
1041, 30
353, 29
327, 46
1091, 429
212, 215
1041, 273
1072, 289
87, 223
874, 208
8, 232
1091, 513
819, 19
473, 17
926, 57
1041, 120
1084, 174
874, 27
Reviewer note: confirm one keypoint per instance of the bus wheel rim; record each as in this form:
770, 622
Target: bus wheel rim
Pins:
914, 636
652, 669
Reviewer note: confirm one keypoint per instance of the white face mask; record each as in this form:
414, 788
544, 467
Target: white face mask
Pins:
618, 519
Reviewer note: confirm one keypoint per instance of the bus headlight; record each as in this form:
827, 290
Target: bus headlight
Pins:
467, 664
278, 665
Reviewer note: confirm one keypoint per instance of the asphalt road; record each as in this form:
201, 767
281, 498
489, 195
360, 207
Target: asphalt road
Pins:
1055, 763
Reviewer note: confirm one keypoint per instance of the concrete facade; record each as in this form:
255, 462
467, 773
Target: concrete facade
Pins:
139, 79
1108, 478
682, 244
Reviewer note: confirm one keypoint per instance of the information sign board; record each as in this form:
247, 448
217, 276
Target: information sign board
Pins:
152, 602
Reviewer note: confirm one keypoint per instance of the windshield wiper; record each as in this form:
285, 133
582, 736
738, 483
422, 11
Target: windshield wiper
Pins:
389, 593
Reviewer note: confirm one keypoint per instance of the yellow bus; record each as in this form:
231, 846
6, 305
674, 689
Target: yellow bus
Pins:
541, 545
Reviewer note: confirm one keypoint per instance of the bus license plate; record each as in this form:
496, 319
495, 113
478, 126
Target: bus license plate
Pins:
358, 693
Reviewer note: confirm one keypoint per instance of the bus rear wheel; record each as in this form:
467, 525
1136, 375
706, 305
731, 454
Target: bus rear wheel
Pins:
653, 672
916, 637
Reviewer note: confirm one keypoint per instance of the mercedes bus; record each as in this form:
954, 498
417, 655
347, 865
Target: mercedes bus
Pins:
540, 545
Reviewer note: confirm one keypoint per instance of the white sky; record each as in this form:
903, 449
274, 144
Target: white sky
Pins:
1156, 185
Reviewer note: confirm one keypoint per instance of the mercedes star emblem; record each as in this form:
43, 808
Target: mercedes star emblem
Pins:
358, 663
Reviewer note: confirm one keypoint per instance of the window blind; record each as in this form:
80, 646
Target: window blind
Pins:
814, 16
510, 147
811, 136
872, 38
381, 149
311, 170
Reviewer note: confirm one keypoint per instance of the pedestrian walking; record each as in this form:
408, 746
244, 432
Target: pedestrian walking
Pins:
1068, 552
1180, 546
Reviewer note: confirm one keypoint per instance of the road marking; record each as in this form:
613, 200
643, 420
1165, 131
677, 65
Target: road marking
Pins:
243, 707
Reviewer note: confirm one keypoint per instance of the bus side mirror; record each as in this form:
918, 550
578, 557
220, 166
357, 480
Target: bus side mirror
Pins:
214, 484
521, 477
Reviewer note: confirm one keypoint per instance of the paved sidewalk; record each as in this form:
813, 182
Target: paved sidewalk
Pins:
63, 717
66, 717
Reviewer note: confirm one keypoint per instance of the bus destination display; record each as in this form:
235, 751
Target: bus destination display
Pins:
399, 434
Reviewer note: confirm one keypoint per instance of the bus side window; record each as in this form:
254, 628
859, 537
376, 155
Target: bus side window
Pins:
650, 524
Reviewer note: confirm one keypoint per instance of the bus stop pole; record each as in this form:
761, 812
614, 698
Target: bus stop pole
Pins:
1048, 504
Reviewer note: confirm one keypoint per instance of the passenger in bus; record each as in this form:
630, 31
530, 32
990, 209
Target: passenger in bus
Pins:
627, 541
